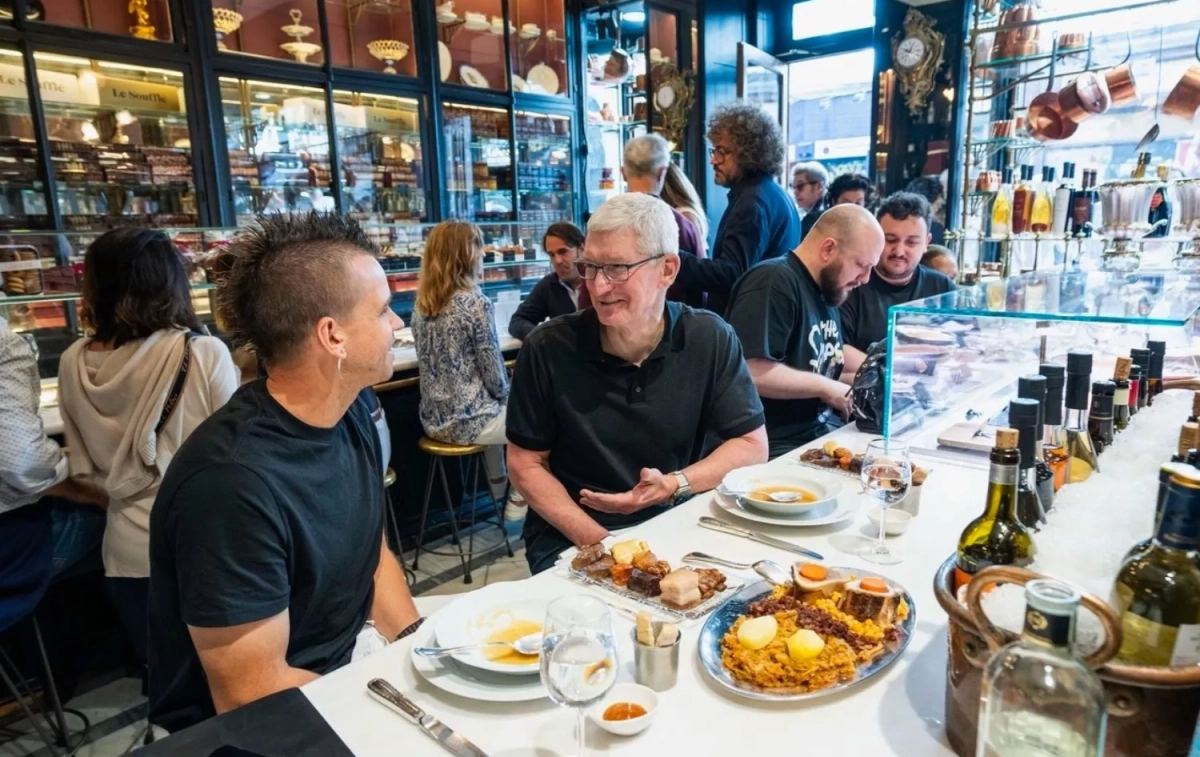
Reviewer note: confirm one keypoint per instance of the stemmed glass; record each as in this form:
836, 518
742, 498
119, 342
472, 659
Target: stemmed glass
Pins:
579, 656
887, 476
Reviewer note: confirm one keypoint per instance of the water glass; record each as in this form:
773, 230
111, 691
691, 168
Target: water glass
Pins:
887, 476
579, 656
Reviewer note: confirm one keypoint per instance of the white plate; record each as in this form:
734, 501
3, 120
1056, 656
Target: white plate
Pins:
445, 61
471, 683
747, 479
527, 33
926, 335
477, 22
519, 84
447, 17
473, 617
847, 507
472, 78
544, 76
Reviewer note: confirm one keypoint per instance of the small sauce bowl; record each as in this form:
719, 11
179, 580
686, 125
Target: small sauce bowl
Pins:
625, 692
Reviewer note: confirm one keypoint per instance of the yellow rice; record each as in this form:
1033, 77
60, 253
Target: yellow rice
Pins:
772, 668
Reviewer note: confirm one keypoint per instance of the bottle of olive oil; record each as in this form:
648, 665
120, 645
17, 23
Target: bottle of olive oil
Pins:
1158, 594
996, 537
1081, 453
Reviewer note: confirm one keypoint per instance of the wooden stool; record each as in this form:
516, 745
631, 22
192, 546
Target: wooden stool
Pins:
470, 471
389, 478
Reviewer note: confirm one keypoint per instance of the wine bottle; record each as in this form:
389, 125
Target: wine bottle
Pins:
1081, 453
1033, 387
1158, 351
1195, 407
1002, 206
1022, 415
1164, 477
1160, 205
1121, 395
1022, 204
1054, 441
1157, 595
1141, 358
1040, 217
1081, 208
996, 537
1100, 419
1143, 160
1037, 698
1062, 199
1135, 383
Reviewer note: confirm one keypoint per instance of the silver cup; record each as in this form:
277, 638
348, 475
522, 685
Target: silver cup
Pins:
655, 667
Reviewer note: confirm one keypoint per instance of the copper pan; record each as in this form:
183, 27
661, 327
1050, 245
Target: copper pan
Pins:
1044, 115
1121, 85
1083, 98
1184, 99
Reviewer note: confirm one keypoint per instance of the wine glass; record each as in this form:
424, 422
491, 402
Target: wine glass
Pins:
579, 655
886, 475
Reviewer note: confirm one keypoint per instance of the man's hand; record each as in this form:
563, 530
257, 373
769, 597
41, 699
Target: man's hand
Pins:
836, 396
80, 491
654, 488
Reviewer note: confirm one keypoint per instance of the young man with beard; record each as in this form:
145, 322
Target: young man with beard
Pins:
785, 313
898, 278
267, 555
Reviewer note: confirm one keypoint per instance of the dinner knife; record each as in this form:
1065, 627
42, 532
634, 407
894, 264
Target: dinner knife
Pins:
770, 541
387, 694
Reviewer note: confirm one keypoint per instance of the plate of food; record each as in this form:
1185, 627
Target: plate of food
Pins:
832, 629
453, 677
777, 491
926, 335
847, 506
500, 614
633, 572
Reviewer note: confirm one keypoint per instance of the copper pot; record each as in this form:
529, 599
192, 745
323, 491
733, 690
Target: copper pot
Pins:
1083, 98
1184, 99
1121, 85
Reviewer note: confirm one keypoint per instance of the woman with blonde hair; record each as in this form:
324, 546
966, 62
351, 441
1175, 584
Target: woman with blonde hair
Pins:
679, 193
464, 386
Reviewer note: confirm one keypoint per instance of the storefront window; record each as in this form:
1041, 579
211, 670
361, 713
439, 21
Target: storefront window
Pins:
818, 18
545, 189
539, 47
285, 29
278, 142
479, 166
372, 35
379, 144
144, 19
829, 117
471, 43
22, 195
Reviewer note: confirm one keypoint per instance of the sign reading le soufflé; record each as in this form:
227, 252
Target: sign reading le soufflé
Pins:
126, 93
105, 91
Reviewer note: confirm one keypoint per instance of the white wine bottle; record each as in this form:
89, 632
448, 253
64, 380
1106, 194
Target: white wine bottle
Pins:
996, 537
1082, 461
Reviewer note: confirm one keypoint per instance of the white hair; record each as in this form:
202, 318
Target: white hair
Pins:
813, 171
646, 155
649, 218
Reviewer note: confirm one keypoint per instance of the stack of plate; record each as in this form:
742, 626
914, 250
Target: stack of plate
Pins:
471, 619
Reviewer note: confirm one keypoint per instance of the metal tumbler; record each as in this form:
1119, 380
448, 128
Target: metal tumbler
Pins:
655, 667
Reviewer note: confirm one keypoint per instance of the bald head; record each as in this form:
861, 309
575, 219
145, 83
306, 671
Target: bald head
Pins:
841, 249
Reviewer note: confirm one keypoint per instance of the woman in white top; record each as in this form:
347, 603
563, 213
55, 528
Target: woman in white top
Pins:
132, 392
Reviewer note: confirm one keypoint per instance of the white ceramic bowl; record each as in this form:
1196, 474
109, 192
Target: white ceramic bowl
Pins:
897, 520
826, 492
625, 692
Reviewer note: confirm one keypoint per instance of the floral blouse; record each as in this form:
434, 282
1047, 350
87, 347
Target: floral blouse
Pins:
463, 381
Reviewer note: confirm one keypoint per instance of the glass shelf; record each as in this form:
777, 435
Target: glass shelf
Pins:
1013, 62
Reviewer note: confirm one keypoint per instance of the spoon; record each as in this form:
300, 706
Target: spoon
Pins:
782, 498
772, 572
530, 645
1153, 133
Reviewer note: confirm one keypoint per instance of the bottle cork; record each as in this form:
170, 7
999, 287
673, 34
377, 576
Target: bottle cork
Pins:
1187, 438
1007, 438
1123, 366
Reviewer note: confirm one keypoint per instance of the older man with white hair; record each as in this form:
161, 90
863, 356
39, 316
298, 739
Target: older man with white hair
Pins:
610, 408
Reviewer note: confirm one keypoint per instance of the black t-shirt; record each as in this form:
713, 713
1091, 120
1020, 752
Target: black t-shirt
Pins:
865, 311
603, 419
261, 513
779, 313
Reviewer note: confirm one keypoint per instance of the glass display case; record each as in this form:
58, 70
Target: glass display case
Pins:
379, 145
955, 358
545, 176
119, 141
144, 19
471, 43
479, 166
283, 29
372, 35
539, 47
278, 139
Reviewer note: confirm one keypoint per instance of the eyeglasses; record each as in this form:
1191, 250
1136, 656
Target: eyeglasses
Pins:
614, 272
719, 153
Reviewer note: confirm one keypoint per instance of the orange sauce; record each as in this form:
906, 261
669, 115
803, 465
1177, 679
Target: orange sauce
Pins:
507, 655
624, 711
763, 494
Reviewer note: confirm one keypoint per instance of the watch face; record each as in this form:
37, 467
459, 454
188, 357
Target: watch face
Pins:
910, 52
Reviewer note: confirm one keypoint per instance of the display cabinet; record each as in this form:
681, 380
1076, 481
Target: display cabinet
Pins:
278, 144
955, 358
478, 168
538, 47
143, 19
545, 173
284, 29
382, 159
372, 35
472, 42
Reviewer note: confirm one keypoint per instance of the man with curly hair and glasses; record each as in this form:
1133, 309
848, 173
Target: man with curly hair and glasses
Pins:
760, 221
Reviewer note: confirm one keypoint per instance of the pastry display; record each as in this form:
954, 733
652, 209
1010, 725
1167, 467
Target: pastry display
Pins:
632, 569
299, 48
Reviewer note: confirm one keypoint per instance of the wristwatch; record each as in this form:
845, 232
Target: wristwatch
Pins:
684, 492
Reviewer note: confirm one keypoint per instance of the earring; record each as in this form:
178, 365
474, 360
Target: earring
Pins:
339, 367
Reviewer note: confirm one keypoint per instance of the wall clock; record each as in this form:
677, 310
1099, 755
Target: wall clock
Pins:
917, 53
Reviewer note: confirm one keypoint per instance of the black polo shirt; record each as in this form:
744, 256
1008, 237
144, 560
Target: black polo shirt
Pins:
603, 419
865, 312
779, 314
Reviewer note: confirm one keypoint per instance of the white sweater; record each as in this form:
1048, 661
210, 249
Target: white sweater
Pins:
111, 402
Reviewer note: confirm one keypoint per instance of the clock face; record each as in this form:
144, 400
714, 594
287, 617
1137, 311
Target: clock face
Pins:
910, 52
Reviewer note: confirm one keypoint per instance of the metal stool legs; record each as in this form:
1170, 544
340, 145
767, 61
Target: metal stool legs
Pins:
57, 732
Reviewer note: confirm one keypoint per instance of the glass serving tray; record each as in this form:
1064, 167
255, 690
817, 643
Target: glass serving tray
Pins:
652, 603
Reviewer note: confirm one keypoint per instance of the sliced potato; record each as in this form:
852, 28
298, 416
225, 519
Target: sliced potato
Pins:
756, 633
804, 645
830, 447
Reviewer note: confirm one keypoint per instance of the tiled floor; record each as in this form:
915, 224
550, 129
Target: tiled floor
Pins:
117, 711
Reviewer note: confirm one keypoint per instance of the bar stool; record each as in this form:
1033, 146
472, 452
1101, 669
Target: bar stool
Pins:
470, 471
389, 478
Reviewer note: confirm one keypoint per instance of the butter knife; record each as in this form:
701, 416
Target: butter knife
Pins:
770, 541
387, 695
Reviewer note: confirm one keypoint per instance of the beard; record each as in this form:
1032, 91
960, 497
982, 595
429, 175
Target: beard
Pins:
832, 292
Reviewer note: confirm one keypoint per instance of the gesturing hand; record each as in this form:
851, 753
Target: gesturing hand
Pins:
654, 488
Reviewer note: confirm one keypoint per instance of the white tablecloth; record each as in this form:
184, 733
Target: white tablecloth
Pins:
899, 712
